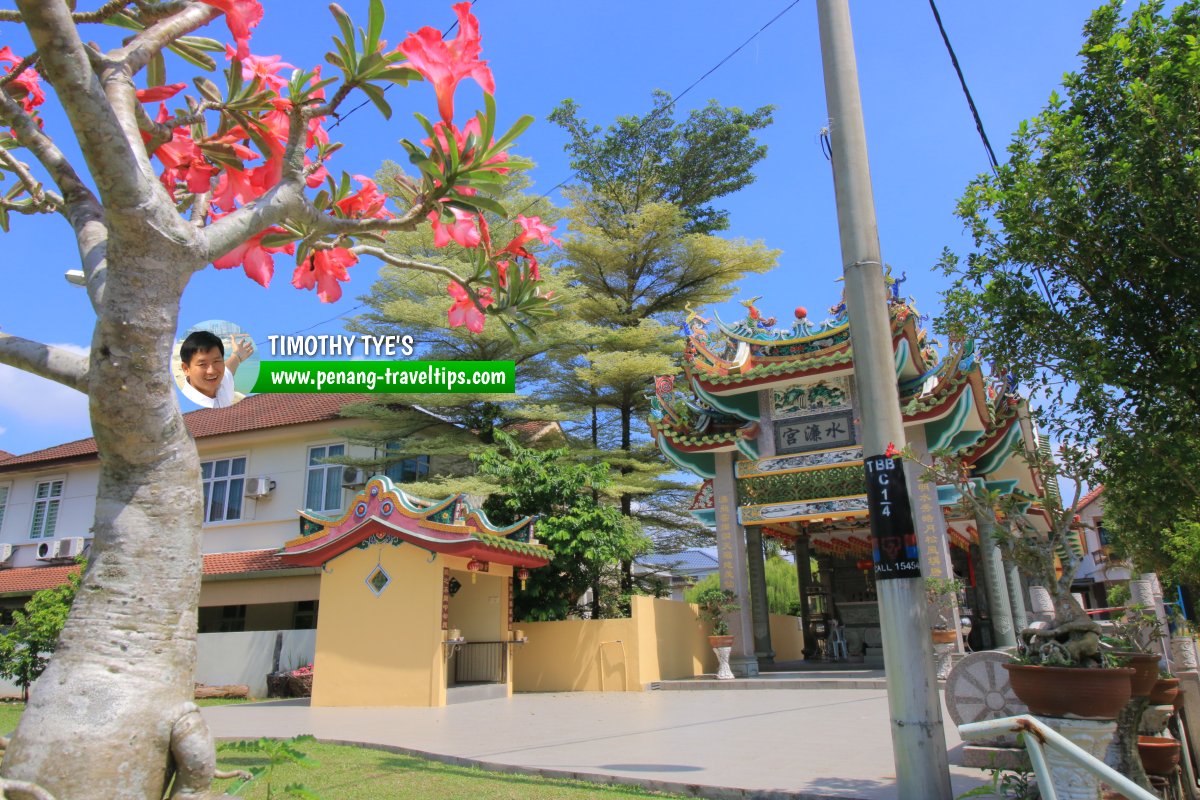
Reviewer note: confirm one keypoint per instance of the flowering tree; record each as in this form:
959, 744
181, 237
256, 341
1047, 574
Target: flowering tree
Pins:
235, 175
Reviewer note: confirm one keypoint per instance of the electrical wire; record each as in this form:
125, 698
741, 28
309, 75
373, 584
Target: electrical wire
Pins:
654, 116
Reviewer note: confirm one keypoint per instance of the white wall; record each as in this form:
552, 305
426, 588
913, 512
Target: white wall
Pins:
235, 658
75, 510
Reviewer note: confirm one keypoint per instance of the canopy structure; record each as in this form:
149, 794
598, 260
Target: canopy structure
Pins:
384, 513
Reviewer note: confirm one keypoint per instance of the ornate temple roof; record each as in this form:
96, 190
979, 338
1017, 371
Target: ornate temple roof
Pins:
384, 512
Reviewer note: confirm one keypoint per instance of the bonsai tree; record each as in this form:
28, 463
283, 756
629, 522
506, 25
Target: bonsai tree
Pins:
714, 604
943, 594
1036, 534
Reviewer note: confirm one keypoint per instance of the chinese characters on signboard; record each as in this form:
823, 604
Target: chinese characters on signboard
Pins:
815, 433
928, 512
893, 539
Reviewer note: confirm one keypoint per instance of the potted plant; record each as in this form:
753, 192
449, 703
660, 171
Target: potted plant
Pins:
944, 595
1061, 672
714, 603
1129, 641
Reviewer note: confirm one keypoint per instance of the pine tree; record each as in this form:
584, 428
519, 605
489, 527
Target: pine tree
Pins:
446, 428
642, 250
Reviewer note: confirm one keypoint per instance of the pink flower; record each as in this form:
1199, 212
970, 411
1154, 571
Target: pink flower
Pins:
464, 312
366, 202
440, 130
462, 230
156, 93
254, 258
445, 63
26, 87
240, 16
531, 228
265, 68
323, 269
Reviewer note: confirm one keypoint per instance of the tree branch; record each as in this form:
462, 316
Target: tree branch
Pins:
102, 139
137, 54
45, 201
99, 15
52, 363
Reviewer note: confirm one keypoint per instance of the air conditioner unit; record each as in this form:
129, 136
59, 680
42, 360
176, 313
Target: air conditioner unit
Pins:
353, 478
48, 551
70, 548
6, 552
259, 487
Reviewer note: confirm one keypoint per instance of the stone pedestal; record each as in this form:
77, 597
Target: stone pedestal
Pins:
1072, 782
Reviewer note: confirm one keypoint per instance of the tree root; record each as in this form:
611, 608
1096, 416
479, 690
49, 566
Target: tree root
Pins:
22, 790
194, 754
223, 774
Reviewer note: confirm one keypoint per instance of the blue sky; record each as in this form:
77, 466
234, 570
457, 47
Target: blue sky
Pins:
609, 57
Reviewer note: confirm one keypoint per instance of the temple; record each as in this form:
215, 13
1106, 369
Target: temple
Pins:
769, 420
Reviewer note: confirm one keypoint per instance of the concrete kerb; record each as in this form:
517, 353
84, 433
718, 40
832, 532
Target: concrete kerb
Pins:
667, 787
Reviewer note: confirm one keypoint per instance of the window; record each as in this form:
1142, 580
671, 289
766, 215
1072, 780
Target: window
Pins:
304, 618
1102, 533
324, 492
408, 470
223, 482
233, 619
3, 503
46, 498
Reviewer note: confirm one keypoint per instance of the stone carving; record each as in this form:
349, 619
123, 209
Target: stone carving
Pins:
977, 689
785, 511
802, 400
1072, 782
747, 469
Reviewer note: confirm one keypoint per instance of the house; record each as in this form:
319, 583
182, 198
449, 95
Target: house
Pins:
262, 461
677, 571
1097, 570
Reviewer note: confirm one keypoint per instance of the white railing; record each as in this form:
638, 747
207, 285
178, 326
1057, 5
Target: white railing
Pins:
1036, 736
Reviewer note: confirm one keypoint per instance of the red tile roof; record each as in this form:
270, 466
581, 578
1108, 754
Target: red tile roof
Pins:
254, 413
4, 454
1090, 497
26, 580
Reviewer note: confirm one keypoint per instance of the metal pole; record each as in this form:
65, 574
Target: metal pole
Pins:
918, 736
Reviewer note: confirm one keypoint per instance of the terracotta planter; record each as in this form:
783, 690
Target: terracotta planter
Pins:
944, 637
1159, 754
1145, 671
1071, 691
1164, 692
720, 641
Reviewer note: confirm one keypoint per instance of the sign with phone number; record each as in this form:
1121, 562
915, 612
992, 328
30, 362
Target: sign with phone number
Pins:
893, 536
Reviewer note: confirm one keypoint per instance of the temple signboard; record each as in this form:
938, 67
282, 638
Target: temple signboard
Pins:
816, 432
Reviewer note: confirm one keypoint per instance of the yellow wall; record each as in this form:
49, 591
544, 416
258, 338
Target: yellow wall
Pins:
787, 640
385, 650
480, 609
663, 640
259, 590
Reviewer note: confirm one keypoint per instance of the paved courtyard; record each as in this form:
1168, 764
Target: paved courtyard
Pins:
828, 743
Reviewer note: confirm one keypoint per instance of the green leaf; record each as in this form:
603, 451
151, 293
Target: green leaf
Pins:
156, 70
516, 130
376, 96
375, 18
193, 56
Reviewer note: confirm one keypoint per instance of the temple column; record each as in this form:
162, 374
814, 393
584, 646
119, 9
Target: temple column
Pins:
760, 610
1016, 597
930, 523
804, 580
997, 585
734, 575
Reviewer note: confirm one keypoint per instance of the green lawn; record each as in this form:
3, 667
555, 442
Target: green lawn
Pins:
364, 774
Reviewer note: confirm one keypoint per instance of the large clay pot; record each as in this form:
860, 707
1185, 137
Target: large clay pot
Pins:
944, 637
1164, 692
1159, 754
1145, 671
1071, 691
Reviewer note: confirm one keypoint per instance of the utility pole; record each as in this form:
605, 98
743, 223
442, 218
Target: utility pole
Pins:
918, 736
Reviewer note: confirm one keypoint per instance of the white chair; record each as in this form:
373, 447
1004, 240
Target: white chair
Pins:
837, 642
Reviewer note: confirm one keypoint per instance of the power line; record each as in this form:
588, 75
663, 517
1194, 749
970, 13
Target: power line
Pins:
653, 116
963, 82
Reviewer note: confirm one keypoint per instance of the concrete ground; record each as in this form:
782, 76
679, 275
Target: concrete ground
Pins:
722, 743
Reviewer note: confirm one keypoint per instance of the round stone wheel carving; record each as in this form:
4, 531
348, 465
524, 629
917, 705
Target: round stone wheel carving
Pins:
978, 688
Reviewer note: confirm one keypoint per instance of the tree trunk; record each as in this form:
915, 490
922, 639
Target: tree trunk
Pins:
100, 719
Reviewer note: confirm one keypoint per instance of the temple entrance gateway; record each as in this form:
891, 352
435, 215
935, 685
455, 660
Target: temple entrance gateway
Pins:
769, 419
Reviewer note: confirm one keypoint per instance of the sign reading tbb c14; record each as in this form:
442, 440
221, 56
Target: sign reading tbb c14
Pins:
893, 537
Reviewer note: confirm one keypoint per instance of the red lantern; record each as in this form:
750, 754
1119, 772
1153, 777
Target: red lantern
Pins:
522, 576
474, 566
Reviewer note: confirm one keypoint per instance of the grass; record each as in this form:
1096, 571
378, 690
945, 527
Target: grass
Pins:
365, 774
